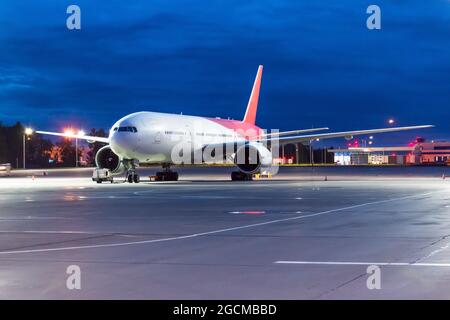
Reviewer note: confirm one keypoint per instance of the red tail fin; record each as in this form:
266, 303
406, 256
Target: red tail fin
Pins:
252, 107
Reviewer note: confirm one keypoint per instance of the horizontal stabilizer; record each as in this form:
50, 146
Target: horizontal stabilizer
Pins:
288, 133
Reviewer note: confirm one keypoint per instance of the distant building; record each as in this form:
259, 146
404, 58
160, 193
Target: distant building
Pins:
431, 153
417, 153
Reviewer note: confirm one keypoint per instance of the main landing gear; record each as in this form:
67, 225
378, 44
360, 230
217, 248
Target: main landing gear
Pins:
166, 175
132, 176
241, 176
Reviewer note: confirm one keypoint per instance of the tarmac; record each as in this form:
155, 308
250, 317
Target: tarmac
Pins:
306, 233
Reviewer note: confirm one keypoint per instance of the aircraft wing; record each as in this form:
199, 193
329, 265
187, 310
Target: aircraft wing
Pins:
288, 133
76, 136
310, 137
345, 134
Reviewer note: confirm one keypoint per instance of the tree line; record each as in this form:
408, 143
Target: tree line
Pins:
41, 151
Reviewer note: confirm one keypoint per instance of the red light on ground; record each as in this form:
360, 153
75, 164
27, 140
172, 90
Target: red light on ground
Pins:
413, 143
253, 212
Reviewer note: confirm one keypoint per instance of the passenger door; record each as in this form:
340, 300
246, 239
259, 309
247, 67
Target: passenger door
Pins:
157, 137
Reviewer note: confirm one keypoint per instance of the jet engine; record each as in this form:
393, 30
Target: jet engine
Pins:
107, 159
250, 157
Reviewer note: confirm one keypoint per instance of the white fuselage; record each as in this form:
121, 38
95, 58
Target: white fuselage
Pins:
152, 137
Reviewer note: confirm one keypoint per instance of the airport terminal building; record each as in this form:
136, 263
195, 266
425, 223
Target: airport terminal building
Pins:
418, 153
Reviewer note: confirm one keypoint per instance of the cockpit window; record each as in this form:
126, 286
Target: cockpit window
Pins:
126, 129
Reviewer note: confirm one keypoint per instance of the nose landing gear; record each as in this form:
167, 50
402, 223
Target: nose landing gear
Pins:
132, 176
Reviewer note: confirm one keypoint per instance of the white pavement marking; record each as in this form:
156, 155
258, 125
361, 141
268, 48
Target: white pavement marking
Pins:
437, 251
120, 244
347, 263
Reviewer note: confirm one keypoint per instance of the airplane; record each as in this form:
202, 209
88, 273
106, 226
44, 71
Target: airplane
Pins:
151, 138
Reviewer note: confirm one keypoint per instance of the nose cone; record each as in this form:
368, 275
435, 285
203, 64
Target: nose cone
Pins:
125, 136
123, 144
117, 143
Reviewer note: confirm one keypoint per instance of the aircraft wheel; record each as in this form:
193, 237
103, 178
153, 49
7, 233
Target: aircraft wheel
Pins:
240, 176
166, 176
173, 176
130, 178
236, 176
159, 176
136, 178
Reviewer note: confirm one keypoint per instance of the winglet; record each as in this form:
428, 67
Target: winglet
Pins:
252, 107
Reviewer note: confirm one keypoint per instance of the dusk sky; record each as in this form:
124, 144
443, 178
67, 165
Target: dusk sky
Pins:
322, 66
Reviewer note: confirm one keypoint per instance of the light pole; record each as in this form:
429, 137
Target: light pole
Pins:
76, 152
364, 143
80, 133
70, 133
26, 133
311, 152
23, 151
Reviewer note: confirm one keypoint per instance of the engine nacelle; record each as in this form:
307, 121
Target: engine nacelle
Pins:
107, 159
250, 157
